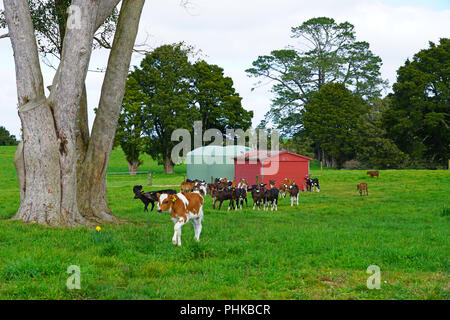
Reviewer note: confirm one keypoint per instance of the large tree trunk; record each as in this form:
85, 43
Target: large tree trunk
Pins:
37, 159
92, 193
62, 180
65, 98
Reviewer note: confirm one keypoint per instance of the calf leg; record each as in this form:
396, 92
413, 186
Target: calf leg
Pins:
197, 223
176, 240
176, 230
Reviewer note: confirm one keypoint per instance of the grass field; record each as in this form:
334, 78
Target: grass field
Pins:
320, 250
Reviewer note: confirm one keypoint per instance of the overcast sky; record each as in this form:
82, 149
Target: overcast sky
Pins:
233, 33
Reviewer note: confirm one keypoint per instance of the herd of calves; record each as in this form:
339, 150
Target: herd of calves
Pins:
188, 204
234, 192
222, 190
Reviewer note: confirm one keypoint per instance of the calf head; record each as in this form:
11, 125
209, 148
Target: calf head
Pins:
137, 191
165, 201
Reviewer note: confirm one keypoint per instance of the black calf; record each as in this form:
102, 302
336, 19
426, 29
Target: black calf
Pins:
258, 195
240, 195
149, 197
271, 198
221, 196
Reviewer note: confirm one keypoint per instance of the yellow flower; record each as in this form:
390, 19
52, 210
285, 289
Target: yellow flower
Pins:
98, 228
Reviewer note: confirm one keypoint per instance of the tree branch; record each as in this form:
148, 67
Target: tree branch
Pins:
6, 35
113, 89
102, 43
30, 84
105, 9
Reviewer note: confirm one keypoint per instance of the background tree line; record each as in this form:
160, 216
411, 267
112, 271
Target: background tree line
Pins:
327, 100
6, 138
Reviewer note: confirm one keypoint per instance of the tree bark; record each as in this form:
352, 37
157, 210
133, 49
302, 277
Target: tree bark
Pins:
42, 193
133, 167
82, 129
20, 169
168, 165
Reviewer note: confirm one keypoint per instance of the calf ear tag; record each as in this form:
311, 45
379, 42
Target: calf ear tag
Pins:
174, 199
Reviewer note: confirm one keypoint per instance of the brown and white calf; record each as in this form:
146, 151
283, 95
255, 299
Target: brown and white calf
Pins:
183, 207
285, 186
243, 184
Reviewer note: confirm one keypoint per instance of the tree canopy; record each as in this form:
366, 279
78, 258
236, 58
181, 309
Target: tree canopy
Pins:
331, 120
418, 119
169, 92
219, 104
329, 52
49, 19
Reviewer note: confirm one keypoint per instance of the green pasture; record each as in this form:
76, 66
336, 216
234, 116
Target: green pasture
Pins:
319, 250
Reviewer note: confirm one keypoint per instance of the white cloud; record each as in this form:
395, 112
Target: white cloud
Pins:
233, 33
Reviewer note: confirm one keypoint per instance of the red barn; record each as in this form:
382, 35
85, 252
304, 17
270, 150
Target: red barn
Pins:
272, 165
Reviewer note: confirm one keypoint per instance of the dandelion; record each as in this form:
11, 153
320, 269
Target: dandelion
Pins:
98, 228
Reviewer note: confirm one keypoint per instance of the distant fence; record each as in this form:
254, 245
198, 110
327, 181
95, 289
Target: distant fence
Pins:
124, 179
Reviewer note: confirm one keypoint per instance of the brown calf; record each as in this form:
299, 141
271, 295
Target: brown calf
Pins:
183, 207
362, 187
373, 174
187, 186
